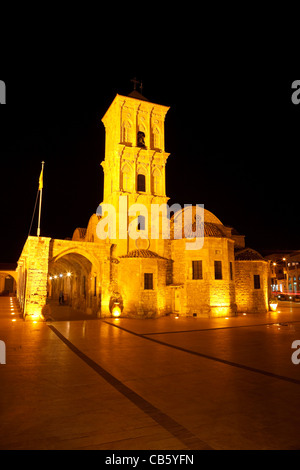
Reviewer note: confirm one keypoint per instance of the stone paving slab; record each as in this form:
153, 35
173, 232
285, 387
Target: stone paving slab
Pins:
153, 384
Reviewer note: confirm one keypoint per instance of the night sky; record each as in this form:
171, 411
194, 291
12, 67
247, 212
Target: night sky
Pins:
232, 132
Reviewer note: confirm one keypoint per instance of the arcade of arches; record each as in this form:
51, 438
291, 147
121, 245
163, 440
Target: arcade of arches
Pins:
73, 281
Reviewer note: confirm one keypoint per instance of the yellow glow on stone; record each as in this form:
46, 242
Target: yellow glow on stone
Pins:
273, 307
116, 311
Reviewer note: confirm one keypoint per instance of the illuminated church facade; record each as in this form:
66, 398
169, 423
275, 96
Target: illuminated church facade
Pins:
142, 276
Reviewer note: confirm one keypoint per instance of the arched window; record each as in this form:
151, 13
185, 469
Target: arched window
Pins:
156, 138
141, 139
156, 180
141, 182
126, 178
141, 135
127, 132
141, 179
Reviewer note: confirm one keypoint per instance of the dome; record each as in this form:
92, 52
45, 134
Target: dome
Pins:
248, 254
210, 226
208, 216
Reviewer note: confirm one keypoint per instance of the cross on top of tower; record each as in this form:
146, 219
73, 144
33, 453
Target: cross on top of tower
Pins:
137, 82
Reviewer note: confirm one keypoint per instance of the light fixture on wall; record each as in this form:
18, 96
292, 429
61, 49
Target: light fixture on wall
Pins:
116, 311
273, 305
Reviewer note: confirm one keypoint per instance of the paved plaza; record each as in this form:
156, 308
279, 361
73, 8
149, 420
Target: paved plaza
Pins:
164, 384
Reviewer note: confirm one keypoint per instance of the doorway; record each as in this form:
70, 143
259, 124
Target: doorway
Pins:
177, 302
9, 284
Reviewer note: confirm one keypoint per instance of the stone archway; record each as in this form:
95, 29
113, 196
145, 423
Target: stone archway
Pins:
76, 278
8, 283
48, 266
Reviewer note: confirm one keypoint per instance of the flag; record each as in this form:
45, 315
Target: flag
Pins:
41, 180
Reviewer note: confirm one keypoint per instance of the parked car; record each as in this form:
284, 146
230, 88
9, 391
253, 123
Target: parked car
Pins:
281, 297
294, 297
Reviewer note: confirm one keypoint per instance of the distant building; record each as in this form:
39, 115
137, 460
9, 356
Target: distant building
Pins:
293, 272
145, 276
285, 272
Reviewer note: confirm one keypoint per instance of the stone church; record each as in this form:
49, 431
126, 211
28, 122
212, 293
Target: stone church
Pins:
142, 276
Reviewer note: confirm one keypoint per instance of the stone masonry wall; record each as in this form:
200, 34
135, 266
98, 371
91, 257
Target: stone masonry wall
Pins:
249, 299
206, 296
34, 259
140, 302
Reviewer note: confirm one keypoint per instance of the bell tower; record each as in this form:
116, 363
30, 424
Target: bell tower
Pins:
135, 159
135, 156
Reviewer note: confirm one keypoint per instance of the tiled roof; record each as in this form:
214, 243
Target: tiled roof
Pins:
208, 224
142, 254
207, 229
212, 230
248, 254
82, 232
138, 96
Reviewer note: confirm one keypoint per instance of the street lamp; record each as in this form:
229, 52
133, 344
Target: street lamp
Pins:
277, 264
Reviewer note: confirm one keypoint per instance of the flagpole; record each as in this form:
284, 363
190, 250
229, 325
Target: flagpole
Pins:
41, 195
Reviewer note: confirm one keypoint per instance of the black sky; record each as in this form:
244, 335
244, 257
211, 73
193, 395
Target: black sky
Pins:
232, 132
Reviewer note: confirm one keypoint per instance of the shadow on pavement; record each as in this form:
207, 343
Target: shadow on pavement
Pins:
56, 312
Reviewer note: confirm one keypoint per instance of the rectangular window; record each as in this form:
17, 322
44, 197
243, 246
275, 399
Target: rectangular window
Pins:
231, 271
197, 269
256, 281
218, 269
148, 281
141, 183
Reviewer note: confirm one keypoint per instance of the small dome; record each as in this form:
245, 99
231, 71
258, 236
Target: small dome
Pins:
141, 254
248, 254
79, 234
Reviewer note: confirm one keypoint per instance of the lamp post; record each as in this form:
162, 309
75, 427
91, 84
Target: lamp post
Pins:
281, 263
285, 275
